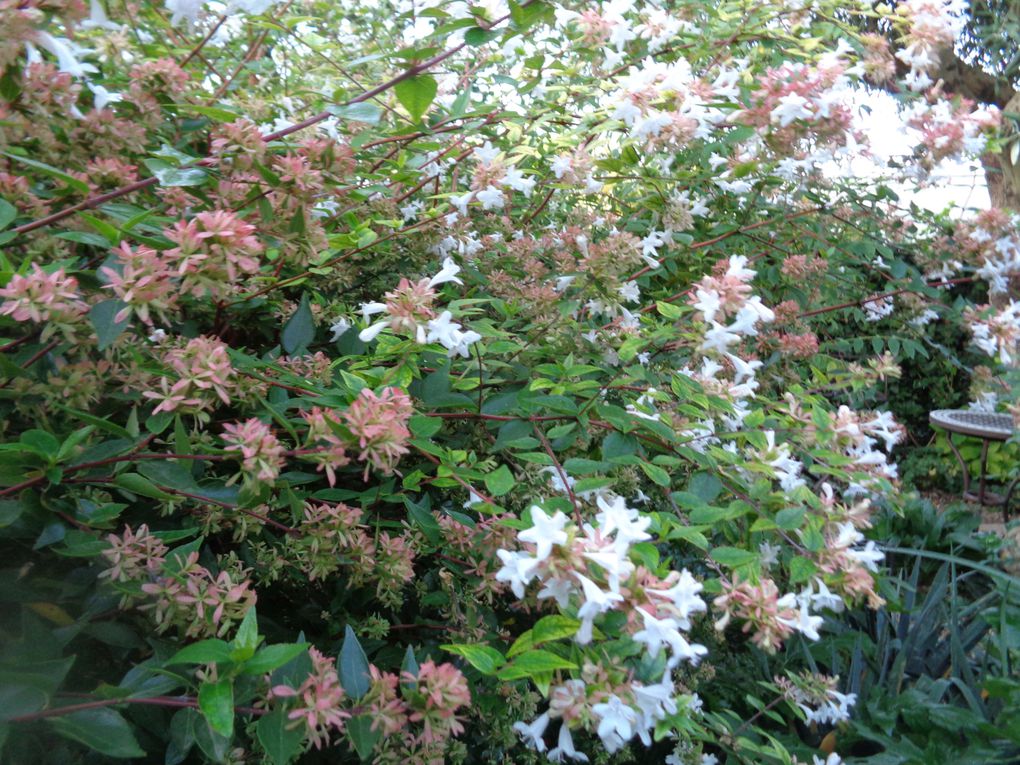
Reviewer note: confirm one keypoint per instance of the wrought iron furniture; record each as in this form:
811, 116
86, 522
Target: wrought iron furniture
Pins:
988, 427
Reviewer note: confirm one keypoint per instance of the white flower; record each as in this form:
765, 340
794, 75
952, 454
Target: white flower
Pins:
491, 198
595, 602
565, 747
66, 53
629, 525
562, 165
103, 97
254, 7
338, 328
461, 201
157, 336
804, 622
97, 17
486, 154
532, 734
451, 335
516, 180
769, 554
870, 556
709, 302
629, 292
684, 598
616, 723
448, 273
518, 569
545, 531
792, 106
184, 10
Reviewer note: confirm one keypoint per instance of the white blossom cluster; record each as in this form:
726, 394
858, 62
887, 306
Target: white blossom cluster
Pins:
588, 572
407, 315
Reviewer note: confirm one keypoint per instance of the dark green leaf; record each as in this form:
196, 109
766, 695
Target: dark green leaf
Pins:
102, 317
359, 730
272, 657
279, 742
299, 331
354, 676
103, 730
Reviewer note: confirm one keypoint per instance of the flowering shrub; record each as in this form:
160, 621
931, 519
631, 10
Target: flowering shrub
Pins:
482, 396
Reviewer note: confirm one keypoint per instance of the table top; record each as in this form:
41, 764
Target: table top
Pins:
988, 425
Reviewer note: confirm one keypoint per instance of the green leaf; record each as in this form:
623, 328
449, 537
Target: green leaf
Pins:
364, 739
409, 667
365, 112
790, 518
27, 687
479, 36
216, 702
203, 652
733, 556
299, 331
416, 94
802, 569
102, 317
280, 743
424, 427
533, 663
354, 676
247, 638
500, 481
554, 627
104, 730
70, 180
108, 232
273, 656
482, 657
8, 213
140, 485
705, 485
656, 473
10, 511
169, 474
168, 175
40, 441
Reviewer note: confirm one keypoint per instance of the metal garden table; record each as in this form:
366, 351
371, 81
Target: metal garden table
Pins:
988, 427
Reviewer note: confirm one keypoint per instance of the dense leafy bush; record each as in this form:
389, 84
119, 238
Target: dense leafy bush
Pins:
479, 383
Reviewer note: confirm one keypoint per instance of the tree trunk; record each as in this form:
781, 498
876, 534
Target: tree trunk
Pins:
1001, 172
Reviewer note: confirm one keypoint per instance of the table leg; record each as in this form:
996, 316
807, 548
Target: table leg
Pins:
963, 465
1005, 504
984, 465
